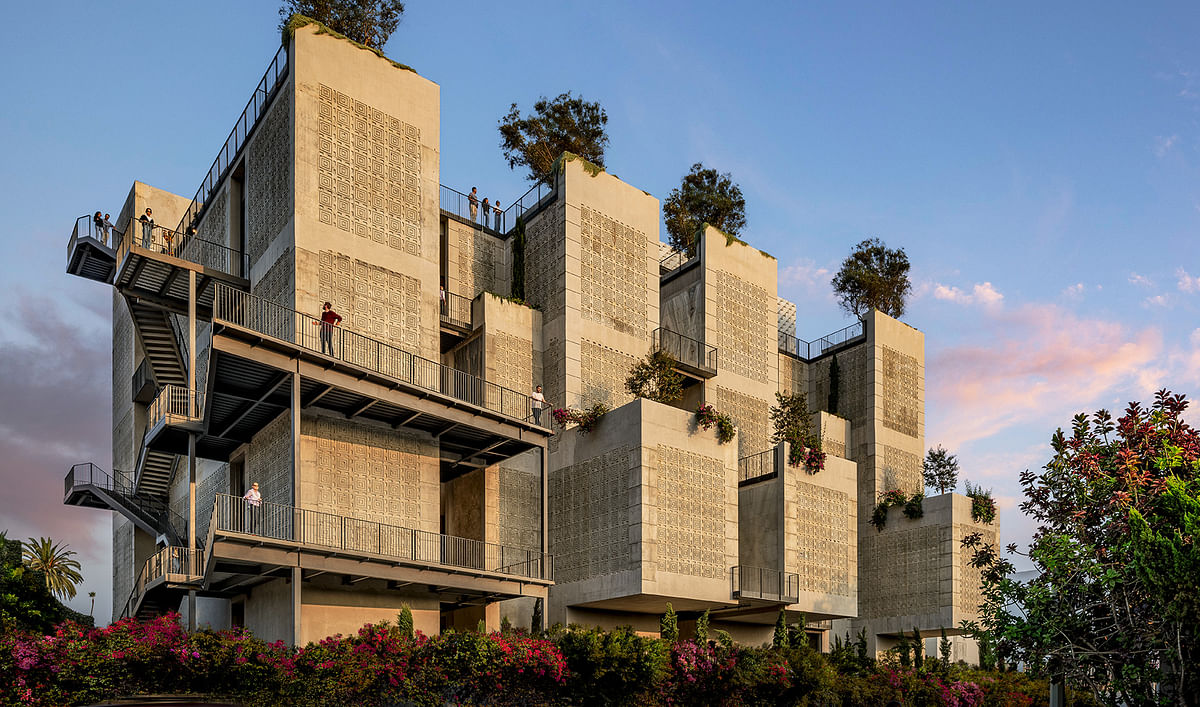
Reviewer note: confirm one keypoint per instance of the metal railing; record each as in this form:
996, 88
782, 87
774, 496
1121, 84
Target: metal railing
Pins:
263, 94
120, 484
762, 583
755, 466
459, 204
539, 195
267, 318
455, 310
177, 565
674, 261
685, 349
809, 350
157, 238
233, 514
86, 227
176, 401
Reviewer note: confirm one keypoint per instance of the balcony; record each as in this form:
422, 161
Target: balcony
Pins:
693, 358
176, 406
246, 540
810, 350
91, 252
676, 262
455, 312
762, 584
757, 467
167, 575
144, 388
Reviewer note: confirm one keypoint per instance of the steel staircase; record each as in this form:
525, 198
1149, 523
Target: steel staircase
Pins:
90, 486
161, 341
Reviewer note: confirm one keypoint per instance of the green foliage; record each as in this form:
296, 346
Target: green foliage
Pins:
536, 621
655, 378
780, 639
941, 469
793, 424
56, 564
873, 276
904, 651
914, 507
983, 506
702, 628
668, 625
404, 622
563, 125
290, 22
835, 382
918, 648
587, 419
616, 667
1114, 607
505, 625
724, 639
26, 603
703, 197
944, 650
518, 260
707, 416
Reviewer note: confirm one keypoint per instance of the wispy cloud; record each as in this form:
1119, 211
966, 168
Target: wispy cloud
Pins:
1074, 292
807, 277
1163, 145
1187, 283
1140, 280
1155, 301
983, 294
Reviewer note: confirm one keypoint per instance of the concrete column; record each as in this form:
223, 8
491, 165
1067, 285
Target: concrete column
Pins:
191, 517
297, 578
296, 441
193, 406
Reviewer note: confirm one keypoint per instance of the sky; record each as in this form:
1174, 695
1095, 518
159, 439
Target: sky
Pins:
1037, 162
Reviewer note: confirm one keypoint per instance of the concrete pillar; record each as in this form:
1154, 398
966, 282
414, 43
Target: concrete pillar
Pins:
191, 518
296, 441
297, 578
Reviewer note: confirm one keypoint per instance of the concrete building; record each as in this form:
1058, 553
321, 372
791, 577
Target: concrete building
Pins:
400, 459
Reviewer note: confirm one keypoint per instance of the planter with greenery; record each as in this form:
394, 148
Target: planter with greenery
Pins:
983, 506
707, 416
895, 498
586, 419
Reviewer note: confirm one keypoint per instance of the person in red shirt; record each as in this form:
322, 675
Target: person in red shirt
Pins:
329, 319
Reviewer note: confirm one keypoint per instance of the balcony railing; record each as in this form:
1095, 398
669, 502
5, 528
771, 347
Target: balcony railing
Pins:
176, 404
263, 94
809, 350
686, 350
160, 239
539, 195
459, 204
264, 317
232, 514
120, 484
85, 227
674, 261
176, 565
756, 466
762, 583
455, 310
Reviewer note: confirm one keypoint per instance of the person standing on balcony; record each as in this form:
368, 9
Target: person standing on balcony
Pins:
473, 198
147, 220
537, 402
108, 227
98, 221
329, 319
487, 212
497, 212
253, 501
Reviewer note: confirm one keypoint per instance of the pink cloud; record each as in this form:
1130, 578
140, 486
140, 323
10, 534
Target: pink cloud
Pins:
1036, 362
1187, 283
983, 294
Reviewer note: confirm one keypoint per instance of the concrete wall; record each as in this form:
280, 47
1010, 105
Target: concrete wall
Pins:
329, 608
269, 612
475, 261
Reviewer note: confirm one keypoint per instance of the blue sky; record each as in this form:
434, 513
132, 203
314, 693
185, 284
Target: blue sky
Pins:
1038, 163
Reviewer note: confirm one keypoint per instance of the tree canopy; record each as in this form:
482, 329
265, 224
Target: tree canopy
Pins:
873, 276
1115, 606
655, 378
564, 124
941, 469
25, 599
704, 196
368, 22
56, 562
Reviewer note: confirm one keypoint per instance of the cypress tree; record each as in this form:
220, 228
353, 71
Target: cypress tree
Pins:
668, 626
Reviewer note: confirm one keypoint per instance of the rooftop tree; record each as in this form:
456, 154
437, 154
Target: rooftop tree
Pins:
564, 124
1115, 606
368, 22
704, 196
941, 469
873, 276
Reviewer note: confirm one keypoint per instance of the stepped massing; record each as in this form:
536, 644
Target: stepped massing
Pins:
399, 457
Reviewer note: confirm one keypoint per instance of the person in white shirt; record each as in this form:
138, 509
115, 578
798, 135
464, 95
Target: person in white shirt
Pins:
253, 501
537, 401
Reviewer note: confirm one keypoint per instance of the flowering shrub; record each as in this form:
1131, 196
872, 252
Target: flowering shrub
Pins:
586, 419
811, 457
383, 665
894, 498
707, 416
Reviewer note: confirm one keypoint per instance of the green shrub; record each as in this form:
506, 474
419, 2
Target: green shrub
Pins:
616, 667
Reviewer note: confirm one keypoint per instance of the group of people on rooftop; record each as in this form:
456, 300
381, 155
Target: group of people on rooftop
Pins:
489, 209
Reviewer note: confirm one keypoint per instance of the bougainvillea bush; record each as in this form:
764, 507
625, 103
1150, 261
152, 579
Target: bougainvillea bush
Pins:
383, 665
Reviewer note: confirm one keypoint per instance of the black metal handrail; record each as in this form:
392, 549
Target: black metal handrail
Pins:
233, 514
86, 227
120, 483
172, 564
685, 349
809, 350
763, 583
268, 318
157, 238
459, 204
539, 195
675, 261
455, 310
754, 466
263, 94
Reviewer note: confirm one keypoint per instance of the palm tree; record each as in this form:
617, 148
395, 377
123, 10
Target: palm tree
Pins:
54, 560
